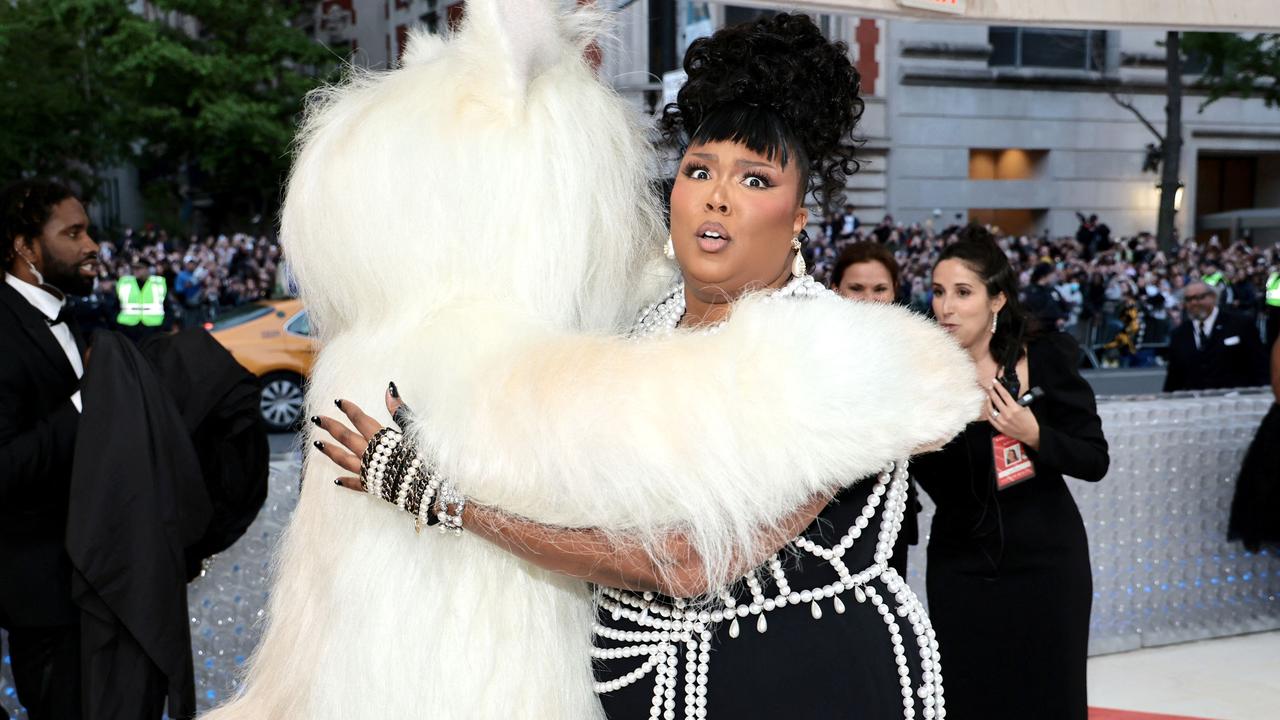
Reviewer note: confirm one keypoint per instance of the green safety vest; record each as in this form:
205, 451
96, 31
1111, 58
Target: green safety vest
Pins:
1273, 289
141, 305
1212, 279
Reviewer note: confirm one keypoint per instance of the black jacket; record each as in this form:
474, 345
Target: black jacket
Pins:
37, 433
170, 466
138, 502
1232, 357
1255, 509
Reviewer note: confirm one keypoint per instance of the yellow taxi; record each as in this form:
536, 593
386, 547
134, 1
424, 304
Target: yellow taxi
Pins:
271, 338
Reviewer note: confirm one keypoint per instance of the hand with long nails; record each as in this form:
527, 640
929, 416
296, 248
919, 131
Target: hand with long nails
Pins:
347, 446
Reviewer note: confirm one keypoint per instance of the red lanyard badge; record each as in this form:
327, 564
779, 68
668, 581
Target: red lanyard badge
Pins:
1011, 461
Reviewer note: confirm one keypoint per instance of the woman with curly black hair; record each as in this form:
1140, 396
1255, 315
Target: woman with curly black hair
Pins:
770, 106
810, 621
766, 117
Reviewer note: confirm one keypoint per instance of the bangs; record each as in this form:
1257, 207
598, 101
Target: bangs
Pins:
759, 129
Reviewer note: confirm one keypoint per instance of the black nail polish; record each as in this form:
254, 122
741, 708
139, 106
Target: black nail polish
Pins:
395, 392
337, 481
338, 403
319, 445
315, 420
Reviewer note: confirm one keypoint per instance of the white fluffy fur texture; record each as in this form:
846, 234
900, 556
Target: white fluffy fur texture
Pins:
478, 245
716, 435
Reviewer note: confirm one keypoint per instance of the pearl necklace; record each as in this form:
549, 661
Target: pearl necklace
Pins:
669, 626
663, 316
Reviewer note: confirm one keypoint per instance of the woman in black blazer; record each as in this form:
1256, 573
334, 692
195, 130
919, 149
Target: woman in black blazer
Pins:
1008, 574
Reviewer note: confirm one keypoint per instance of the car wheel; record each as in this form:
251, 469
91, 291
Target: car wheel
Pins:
282, 400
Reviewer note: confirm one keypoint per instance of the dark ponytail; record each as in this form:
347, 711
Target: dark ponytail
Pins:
977, 249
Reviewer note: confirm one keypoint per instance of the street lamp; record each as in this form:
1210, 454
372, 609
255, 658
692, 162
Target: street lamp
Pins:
1177, 195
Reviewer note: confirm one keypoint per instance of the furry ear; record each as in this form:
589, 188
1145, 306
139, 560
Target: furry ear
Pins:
421, 48
526, 35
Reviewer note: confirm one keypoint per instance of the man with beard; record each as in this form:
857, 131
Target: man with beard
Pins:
1213, 348
47, 254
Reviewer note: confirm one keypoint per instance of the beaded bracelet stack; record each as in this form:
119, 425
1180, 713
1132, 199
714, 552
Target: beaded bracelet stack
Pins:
393, 470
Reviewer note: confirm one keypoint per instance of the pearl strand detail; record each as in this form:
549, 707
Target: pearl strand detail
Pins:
664, 316
677, 624
671, 627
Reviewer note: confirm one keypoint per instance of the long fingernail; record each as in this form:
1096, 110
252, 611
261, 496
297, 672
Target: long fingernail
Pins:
395, 393
319, 445
315, 420
338, 403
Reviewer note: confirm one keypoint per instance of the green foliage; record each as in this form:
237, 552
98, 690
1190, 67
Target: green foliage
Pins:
1237, 65
58, 95
201, 95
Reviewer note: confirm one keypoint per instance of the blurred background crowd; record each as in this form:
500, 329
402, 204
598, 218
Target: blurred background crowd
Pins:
1120, 297
205, 277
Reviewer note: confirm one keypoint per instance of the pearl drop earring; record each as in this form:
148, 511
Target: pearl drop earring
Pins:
797, 263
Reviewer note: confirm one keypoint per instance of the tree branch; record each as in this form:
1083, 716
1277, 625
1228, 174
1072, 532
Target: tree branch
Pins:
1137, 113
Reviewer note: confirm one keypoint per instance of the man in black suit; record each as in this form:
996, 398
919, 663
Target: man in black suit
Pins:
1213, 348
47, 254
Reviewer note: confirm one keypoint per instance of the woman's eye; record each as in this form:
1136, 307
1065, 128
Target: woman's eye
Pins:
698, 173
755, 181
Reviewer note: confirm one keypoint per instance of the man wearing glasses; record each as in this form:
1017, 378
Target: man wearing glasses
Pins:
1213, 348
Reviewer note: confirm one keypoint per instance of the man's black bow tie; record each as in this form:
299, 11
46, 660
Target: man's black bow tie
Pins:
64, 315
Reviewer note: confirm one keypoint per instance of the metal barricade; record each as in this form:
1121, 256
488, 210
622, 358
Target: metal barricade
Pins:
1163, 571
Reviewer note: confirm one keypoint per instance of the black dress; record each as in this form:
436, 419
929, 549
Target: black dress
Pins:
1008, 573
789, 661
1255, 509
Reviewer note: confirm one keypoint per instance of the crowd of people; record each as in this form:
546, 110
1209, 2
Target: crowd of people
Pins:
203, 277
1119, 296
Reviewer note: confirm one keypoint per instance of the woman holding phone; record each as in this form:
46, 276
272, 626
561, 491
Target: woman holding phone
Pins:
1009, 582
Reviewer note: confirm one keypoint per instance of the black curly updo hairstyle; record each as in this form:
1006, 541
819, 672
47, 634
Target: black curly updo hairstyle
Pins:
780, 88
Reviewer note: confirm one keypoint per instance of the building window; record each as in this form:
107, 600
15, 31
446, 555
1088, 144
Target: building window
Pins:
1011, 221
1006, 164
734, 15
1225, 182
1048, 48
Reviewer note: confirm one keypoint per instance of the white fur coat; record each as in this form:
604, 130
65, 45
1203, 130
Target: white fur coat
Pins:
477, 226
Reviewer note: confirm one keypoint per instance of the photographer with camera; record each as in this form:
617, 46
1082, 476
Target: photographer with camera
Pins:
1009, 582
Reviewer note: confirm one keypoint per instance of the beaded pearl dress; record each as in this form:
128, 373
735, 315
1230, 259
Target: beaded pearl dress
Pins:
824, 629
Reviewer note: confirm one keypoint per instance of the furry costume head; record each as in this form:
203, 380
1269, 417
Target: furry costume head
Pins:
492, 162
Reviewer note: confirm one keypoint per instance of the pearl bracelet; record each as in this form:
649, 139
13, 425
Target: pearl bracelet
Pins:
447, 496
377, 457
393, 470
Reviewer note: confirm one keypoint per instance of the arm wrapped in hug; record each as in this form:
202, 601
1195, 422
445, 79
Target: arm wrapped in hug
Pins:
717, 436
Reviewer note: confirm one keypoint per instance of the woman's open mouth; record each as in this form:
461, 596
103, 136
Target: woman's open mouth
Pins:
712, 237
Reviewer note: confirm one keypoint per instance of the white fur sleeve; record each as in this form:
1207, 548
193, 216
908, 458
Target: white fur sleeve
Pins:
717, 435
